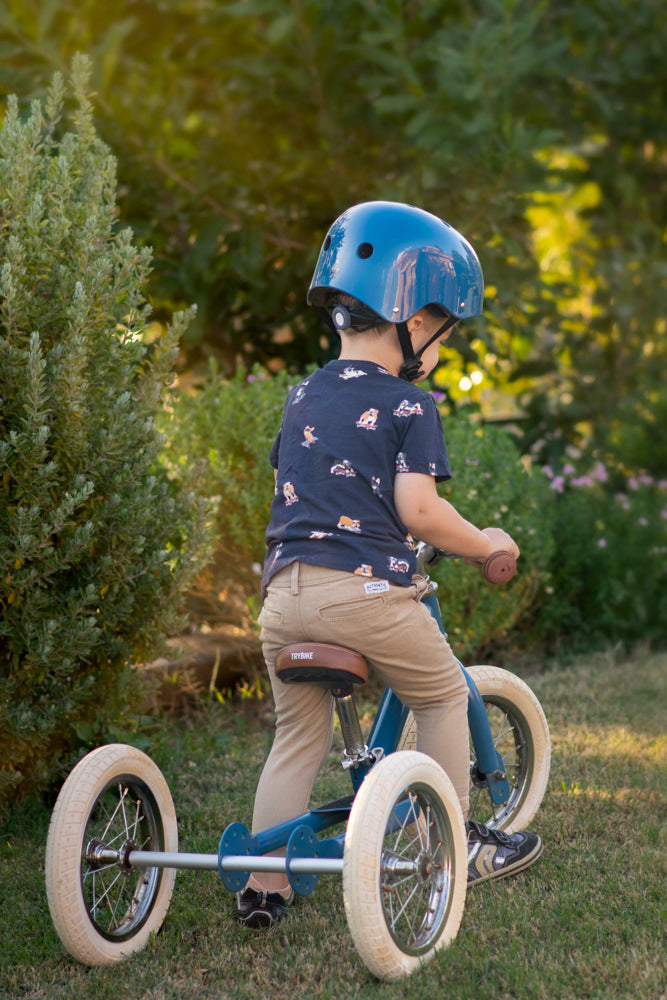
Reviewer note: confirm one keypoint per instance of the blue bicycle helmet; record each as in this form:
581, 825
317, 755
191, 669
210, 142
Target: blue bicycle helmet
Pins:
396, 259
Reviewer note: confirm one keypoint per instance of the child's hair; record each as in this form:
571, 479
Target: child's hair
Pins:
358, 316
361, 317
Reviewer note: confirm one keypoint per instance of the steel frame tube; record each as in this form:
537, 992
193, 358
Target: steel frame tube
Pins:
234, 863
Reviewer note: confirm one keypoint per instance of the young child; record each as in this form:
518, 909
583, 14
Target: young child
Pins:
357, 459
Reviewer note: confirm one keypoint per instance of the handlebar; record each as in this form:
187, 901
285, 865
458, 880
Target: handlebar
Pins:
499, 567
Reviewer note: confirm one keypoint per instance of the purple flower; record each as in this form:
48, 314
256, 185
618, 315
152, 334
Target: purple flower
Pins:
548, 471
599, 472
568, 469
557, 484
602, 543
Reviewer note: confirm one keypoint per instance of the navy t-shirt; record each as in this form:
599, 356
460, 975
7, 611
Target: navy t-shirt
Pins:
347, 431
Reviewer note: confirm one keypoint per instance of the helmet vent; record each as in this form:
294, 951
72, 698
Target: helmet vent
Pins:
327, 243
365, 250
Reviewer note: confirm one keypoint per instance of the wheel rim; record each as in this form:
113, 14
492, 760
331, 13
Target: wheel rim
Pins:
118, 898
512, 739
416, 869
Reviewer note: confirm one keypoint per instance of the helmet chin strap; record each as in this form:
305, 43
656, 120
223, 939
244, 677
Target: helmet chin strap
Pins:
411, 368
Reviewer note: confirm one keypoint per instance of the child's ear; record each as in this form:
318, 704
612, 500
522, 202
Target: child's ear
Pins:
415, 323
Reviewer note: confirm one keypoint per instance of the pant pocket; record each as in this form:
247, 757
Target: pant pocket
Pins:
359, 608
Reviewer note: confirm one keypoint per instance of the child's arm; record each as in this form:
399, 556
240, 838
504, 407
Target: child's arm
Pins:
433, 520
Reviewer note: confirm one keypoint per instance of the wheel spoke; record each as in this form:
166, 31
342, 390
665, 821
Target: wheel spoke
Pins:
137, 819
503, 729
97, 902
116, 897
412, 899
397, 916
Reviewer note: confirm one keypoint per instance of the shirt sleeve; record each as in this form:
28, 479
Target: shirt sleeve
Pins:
275, 450
423, 446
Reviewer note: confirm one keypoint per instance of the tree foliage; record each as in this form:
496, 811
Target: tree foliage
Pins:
95, 543
244, 127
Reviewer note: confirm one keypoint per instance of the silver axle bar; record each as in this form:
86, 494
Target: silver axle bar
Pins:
230, 862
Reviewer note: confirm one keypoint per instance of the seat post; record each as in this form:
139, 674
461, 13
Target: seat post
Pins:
356, 750
350, 727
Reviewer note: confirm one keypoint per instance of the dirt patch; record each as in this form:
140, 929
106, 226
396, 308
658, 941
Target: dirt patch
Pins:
204, 662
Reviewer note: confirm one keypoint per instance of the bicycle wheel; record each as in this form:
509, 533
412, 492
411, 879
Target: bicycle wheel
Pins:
521, 735
115, 800
404, 865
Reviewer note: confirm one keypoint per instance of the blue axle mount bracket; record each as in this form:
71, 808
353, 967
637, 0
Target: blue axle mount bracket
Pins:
238, 841
303, 843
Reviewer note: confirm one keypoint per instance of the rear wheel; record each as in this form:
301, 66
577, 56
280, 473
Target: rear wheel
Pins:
114, 801
405, 865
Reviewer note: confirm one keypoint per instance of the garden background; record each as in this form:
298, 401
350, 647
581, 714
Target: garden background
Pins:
221, 139
192, 153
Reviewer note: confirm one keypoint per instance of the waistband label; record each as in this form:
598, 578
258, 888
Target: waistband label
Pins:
376, 586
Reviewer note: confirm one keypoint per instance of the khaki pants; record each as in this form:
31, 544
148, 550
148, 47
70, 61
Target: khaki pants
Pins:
402, 644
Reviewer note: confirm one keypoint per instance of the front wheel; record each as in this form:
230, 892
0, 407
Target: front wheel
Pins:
405, 865
114, 801
520, 734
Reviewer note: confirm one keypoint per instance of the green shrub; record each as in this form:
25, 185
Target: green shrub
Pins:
95, 543
493, 487
231, 426
227, 428
608, 571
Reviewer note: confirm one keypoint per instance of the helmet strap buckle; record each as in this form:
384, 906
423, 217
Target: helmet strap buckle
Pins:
411, 368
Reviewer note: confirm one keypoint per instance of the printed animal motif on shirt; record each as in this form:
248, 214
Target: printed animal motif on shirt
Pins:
343, 468
309, 436
351, 372
431, 469
401, 464
404, 409
376, 483
398, 565
368, 419
276, 554
289, 493
300, 393
364, 570
320, 534
349, 524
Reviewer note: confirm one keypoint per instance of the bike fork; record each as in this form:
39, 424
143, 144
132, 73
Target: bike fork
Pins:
490, 765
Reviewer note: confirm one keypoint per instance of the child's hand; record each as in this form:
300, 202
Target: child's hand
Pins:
501, 541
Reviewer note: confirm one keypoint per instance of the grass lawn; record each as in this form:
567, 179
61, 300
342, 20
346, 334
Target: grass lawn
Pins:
587, 921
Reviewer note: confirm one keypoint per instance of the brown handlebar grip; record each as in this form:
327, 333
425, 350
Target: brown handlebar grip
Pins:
500, 567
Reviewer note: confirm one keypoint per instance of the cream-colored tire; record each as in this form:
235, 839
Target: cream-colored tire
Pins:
521, 735
405, 865
115, 799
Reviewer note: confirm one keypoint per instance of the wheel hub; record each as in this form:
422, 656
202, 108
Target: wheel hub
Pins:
425, 866
99, 856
